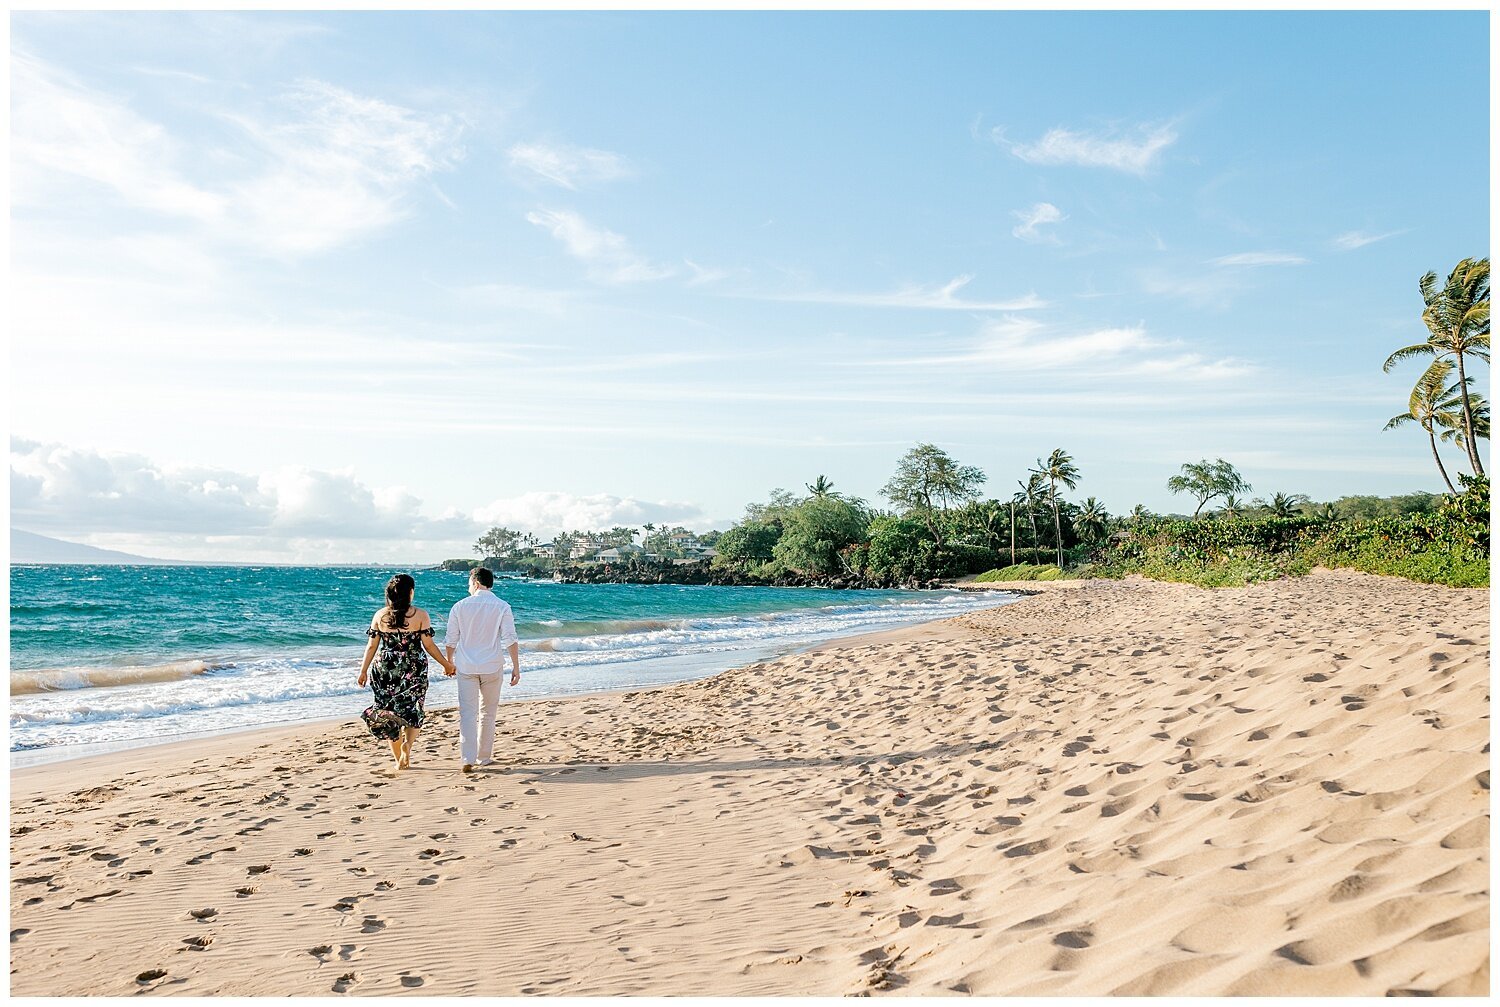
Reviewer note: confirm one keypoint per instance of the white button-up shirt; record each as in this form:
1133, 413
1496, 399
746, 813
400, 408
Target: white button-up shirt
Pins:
480, 630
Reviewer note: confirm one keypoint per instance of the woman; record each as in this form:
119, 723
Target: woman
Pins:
398, 635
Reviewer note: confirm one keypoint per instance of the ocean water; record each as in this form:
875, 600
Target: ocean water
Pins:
111, 656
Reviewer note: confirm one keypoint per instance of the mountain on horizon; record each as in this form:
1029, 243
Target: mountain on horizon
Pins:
29, 547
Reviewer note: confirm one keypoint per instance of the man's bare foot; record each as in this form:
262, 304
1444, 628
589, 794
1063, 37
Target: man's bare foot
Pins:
468, 768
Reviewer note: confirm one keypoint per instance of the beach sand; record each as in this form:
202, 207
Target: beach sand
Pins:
1109, 787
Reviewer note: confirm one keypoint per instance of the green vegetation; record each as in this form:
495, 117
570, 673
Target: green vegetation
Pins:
1207, 480
940, 527
1447, 545
1021, 571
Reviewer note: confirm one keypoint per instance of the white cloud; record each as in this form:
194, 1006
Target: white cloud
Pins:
1025, 345
1033, 218
1136, 152
609, 257
704, 274
293, 512
61, 130
568, 166
1259, 259
941, 298
319, 167
338, 166
55, 488
545, 513
1350, 240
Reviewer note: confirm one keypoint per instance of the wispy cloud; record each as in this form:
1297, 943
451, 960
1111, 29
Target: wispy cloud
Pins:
704, 274
1259, 259
1034, 217
338, 165
320, 166
61, 130
568, 166
943, 298
1350, 240
608, 255
1135, 151
1026, 345
1196, 286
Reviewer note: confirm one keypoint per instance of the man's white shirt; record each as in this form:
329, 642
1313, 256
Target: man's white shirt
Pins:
480, 630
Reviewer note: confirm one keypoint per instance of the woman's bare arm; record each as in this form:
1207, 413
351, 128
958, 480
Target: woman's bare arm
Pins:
364, 666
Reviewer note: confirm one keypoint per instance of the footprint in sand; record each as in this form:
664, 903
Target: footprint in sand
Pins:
150, 976
323, 952
245, 892
257, 869
199, 943
344, 982
385, 886
431, 879
203, 915
372, 925
411, 980
1074, 938
17, 934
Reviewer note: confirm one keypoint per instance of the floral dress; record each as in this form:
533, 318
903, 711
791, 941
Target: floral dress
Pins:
398, 677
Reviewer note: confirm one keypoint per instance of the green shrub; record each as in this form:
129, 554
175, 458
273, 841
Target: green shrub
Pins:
1448, 545
1021, 571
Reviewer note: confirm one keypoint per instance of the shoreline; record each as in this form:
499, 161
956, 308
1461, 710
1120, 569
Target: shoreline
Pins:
1128, 788
22, 760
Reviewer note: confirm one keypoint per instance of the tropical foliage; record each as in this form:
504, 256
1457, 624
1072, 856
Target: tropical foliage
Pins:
1457, 316
1208, 480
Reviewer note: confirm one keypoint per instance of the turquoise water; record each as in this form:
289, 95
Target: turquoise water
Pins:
111, 655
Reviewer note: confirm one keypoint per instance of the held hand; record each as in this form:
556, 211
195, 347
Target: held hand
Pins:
450, 669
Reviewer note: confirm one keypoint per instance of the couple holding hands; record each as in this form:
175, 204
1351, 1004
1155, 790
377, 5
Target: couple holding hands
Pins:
481, 628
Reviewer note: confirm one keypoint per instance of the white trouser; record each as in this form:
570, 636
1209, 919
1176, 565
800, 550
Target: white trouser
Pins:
478, 699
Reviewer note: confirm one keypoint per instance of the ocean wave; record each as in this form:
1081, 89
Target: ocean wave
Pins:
597, 627
287, 680
29, 683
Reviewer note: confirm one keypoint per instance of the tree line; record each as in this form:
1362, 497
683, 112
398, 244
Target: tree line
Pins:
938, 525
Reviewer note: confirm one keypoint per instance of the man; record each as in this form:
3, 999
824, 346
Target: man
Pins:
480, 628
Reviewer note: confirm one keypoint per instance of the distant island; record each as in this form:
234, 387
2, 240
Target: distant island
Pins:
29, 547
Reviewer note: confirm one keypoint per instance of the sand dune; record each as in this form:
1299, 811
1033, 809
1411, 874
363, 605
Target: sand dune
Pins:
1130, 788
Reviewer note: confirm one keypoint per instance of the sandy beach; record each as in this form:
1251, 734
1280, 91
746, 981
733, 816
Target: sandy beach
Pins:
1104, 788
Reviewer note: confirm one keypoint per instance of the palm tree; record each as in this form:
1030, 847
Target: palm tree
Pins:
1458, 323
1326, 512
1480, 408
820, 488
1233, 505
1012, 506
1284, 504
1139, 513
1057, 468
1431, 405
1028, 497
1092, 520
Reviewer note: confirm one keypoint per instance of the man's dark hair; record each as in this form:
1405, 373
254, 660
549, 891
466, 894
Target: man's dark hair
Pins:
483, 576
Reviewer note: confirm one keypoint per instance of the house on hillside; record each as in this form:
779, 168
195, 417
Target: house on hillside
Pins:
616, 554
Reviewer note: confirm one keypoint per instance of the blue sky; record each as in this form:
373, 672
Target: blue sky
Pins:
348, 287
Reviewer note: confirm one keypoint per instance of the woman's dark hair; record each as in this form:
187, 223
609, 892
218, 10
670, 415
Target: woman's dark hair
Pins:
398, 596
